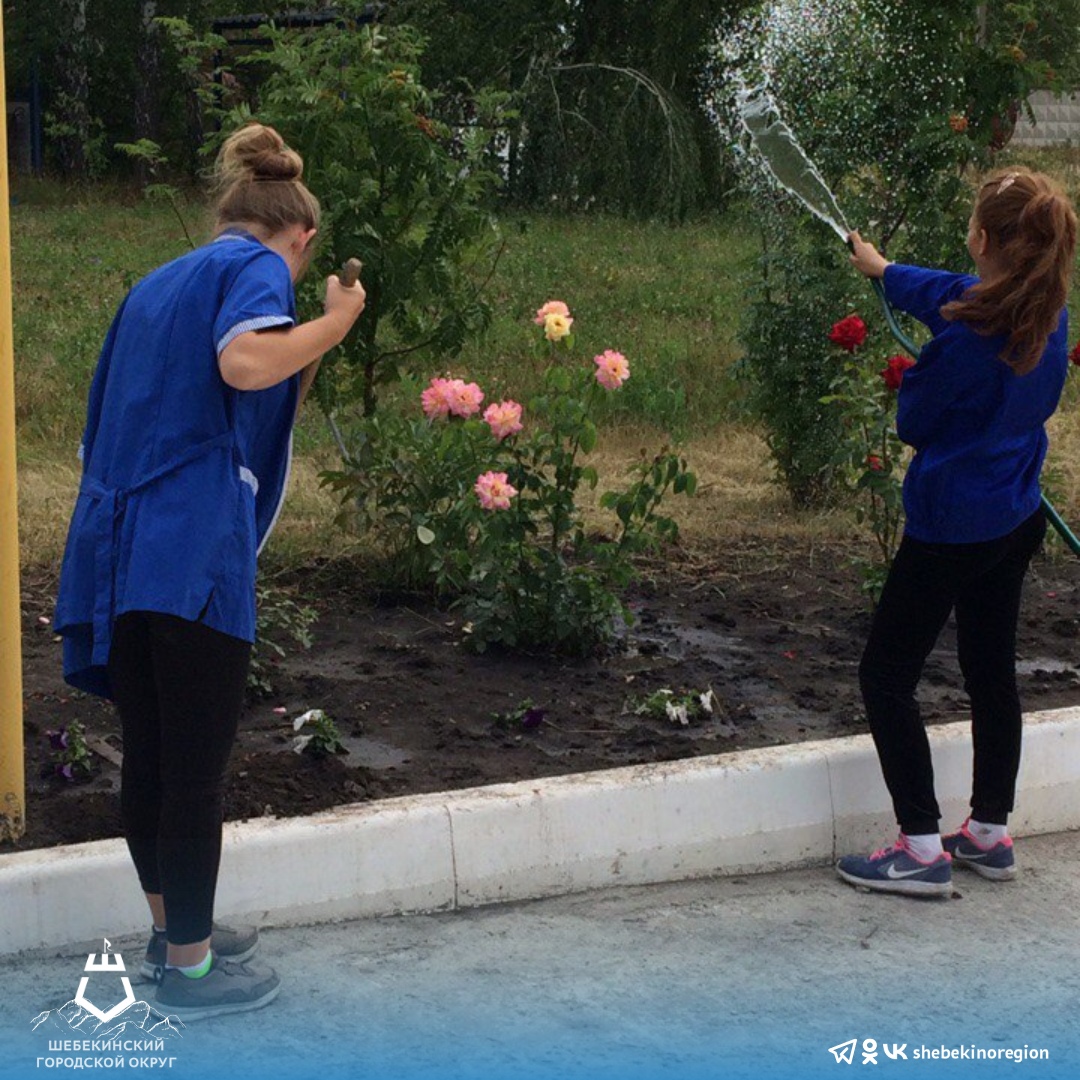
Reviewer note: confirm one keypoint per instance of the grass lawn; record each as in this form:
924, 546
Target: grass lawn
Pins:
667, 297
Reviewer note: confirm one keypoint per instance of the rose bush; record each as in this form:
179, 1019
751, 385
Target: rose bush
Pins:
871, 456
483, 508
789, 367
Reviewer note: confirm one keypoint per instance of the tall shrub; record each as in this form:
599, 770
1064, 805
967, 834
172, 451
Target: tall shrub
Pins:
406, 194
897, 104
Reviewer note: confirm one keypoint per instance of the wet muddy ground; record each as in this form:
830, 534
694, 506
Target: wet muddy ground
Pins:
775, 634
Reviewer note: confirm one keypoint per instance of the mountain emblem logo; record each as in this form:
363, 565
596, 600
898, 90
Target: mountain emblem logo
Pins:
125, 1018
108, 968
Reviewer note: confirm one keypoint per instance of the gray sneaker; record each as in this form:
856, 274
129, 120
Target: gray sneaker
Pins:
236, 945
225, 988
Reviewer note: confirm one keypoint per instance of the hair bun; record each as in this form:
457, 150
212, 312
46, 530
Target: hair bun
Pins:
257, 152
284, 164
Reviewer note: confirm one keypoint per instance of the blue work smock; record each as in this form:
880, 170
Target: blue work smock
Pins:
183, 476
976, 426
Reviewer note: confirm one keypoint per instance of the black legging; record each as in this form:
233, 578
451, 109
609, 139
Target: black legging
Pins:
179, 689
983, 583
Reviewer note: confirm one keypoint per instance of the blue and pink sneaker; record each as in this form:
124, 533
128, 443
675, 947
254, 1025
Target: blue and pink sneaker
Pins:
895, 869
997, 862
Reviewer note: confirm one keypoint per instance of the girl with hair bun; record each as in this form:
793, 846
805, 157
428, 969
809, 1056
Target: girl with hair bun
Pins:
185, 461
973, 408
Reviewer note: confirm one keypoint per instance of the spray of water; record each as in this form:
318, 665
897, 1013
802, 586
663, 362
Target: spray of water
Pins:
798, 66
785, 41
785, 160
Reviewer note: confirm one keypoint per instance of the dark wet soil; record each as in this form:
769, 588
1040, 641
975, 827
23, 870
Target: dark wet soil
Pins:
775, 633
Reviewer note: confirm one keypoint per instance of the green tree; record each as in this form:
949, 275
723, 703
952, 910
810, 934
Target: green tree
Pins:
104, 77
609, 93
406, 194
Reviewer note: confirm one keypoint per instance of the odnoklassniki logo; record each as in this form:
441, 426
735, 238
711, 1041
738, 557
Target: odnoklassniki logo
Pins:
106, 1018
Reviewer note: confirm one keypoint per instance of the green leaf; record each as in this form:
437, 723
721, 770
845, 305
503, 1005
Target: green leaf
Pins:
588, 436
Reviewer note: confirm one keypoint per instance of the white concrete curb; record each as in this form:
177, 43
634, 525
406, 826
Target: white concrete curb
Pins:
742, 812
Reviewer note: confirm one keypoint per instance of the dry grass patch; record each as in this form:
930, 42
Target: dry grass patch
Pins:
737, 495
736, 499
1061, 477
46, 498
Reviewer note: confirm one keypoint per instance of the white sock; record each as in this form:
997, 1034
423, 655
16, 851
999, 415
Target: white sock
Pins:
987, 835
926, 847
194, 971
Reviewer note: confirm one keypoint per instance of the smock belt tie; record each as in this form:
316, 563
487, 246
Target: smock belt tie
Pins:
112, 504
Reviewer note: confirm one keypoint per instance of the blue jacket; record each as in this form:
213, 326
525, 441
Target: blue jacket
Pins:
183, 476
976, 427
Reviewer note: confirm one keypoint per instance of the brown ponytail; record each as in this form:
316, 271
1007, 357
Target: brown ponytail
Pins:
258, 179
1031, 228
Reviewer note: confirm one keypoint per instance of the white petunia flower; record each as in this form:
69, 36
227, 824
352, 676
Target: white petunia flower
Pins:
310, 715
678, 713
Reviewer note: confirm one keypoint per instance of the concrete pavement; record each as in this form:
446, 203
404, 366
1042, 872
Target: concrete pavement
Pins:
727, 977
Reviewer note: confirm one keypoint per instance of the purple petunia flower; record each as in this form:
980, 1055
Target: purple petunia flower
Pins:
533, 718
58, 740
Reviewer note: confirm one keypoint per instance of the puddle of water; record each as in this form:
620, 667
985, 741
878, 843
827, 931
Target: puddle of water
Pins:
369, 753
789, 715
675, 641
373, 754
1046, 666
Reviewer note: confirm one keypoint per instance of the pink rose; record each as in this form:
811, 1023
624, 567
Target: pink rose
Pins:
552, 307
503, 419
434, 400
451, 397
612, 370
464, 398
493, 491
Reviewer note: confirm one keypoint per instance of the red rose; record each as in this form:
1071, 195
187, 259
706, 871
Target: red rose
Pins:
848, 333
874, 463
1074, 356
893, 373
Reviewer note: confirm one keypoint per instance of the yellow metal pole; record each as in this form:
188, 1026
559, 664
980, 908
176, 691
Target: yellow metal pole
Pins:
12, 769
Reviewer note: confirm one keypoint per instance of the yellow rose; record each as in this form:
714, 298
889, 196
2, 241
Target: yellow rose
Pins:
556, 326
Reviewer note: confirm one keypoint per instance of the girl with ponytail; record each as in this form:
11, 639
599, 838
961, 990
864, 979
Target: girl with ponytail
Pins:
973, 407
185, 460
